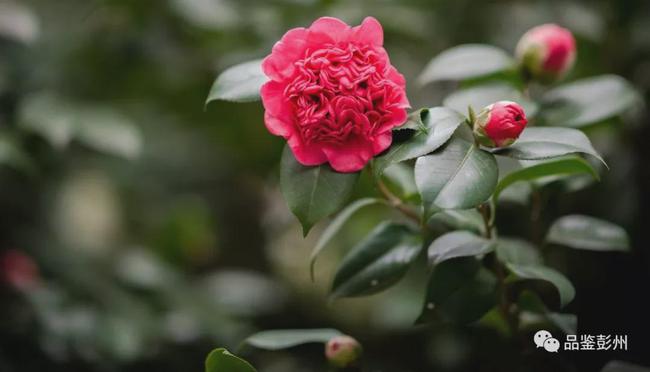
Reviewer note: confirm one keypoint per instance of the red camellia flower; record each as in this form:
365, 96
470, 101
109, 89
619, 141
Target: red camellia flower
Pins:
500, 124
18, 270
547, 52
333, 93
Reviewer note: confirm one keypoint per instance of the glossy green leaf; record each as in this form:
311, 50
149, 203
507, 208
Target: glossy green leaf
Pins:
589, 101
335, 226
221, 360
483, 95
532, 306
286, 338
313, 193
460, 219
465, 62
537, 272
436, 126
377, 262
584, 232
459, 291
458, 244
549, 142
457, 176
239, 83
517, 251
401, 178
552, 167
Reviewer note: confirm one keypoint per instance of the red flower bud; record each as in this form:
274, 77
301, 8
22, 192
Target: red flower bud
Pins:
18, 270
342, 351
546, 52
500, 124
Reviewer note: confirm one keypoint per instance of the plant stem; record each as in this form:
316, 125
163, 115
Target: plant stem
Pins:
397, 203
487, 211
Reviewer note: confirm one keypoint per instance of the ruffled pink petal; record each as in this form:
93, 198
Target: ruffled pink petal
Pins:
369, 32
279, 65
348, 158
278, 126
306, 155
273, 99
382, 142
328, 28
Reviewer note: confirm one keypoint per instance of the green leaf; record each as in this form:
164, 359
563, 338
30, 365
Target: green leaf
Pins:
549, 142
484, 95
313, 193
465, 62
461, 219
459, 291
335, 226
286, 338
589, 101
552, 167
458, 176
517, 251
401, 177
584, 232
61, 121
221, 360
436, 127
458, 244
377, 262
533, 307
13, 156
537, 272
239, 83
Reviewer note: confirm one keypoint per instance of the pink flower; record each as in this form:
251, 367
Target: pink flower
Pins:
333, 93
500, 124
547, 52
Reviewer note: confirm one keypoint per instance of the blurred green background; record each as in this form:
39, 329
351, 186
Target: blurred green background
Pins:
139, 230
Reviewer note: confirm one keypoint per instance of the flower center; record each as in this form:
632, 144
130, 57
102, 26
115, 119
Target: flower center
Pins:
340, 91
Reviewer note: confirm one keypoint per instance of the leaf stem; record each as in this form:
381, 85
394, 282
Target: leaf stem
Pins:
397, 203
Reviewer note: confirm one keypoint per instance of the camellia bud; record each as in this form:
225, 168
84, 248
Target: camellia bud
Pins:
342, 351
499, 124
18, 270
547, 52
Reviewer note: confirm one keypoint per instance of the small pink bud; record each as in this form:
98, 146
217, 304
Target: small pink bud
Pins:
500, 124
18, 270
546, 52
342, 351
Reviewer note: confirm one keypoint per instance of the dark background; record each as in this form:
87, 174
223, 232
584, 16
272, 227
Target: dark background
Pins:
158, 229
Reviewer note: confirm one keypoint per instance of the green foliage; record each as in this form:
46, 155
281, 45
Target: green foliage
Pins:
221, 360
537, 272
554, 167
286, 338
377, 262
459, 291
543, 143
458, 244
334, 227
433, 127
466, 62
313, 193
239, 83
458, 176
588, 101
477, 97
584, 232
